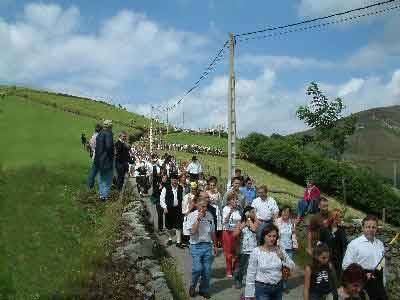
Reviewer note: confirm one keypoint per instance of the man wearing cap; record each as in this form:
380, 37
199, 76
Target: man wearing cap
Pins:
171, 201
104, 159
194, 169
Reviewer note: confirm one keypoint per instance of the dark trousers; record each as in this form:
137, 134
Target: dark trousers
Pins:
375, 288
122, 168
160, 217
243, 263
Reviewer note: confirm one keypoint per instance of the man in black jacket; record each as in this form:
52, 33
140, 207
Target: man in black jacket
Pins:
122, 158
104, 159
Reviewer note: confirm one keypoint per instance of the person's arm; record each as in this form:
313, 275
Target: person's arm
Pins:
251, 274
284, 257
238, 229
162, 200
253, 225
349, 256
275, 211
226, 214
196, 224
307, 280
309, 243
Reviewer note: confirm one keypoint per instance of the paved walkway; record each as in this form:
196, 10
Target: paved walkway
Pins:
221, 286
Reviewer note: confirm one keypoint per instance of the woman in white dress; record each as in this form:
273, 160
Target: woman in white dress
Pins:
216, 202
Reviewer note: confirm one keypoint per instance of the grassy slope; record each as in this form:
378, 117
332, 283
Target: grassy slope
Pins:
49, 243
85, 106
206, 140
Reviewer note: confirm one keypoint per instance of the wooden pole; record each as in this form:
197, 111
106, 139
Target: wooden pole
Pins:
395, 174
151, 130
231, 110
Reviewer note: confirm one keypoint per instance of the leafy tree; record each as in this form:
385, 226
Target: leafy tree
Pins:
325, 116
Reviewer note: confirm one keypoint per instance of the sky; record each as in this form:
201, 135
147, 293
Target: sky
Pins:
143, 53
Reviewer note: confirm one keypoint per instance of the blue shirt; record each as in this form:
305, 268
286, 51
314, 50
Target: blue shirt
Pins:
250, 194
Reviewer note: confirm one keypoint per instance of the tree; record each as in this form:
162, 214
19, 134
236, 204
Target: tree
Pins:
325, 117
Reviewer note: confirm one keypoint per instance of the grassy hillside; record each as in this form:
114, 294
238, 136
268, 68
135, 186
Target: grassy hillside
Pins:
53, 233
205, 140
83, 106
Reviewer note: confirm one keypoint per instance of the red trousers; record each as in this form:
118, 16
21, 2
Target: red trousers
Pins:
228, 243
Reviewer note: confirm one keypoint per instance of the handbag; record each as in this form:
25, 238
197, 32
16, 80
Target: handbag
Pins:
285, 273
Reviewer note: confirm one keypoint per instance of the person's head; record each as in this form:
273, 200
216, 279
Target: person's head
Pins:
205, 196
320, 255
336, 217
263, 191
174, 179
270, 236
286, 212
249, 182
249, 212
164, 177
107, 124
212, 182
238, 172
309, 182
232, 199
236, 183
194, 158
182, 178
370, 226
353, 279
123, 136
323, 205
98, 128
201, 204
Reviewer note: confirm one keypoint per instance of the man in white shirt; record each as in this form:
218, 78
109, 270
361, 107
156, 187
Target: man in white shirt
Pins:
203, 247
171, 201
368, 252
194, 169
92, 144
266, 210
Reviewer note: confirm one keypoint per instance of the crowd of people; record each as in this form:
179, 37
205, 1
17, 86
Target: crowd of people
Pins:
194, 148
258, 238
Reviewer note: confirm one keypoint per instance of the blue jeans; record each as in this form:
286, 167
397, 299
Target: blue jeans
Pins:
260, 230
290, 253
266, 291
105, 181
92, 176
202, 259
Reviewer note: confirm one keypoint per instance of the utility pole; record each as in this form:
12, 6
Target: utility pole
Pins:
231, 111
395, 174
151, 130
183, 119
167, 120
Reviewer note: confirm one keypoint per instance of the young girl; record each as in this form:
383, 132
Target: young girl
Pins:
319, 277
231, 216
287, 235
216, 202
246, 233
354, 279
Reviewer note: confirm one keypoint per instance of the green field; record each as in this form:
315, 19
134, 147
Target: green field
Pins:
205, 140
53, 232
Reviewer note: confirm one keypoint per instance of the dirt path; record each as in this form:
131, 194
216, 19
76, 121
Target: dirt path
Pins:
221, 286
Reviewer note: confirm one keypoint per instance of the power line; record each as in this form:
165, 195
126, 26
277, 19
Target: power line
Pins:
319, 25
316, 19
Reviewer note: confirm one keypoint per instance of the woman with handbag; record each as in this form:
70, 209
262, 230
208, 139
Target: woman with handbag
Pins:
287, 236
231, 216
267, 264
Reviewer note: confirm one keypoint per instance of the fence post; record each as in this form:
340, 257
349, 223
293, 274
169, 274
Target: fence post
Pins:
219, 171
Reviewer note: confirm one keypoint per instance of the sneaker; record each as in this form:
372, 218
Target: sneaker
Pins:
192, 292
179, 245
237, 285
205, 295
229, 275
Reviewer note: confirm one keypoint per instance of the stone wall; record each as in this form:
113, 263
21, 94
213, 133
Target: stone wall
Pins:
137, 248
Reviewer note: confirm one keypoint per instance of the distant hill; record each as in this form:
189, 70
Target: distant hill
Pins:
376, 141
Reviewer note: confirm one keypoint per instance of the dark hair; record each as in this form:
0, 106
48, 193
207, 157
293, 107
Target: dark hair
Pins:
317, 251
212, 179
285, 208
246, 210
323, 199
354, 273
248, 179
98, 128
194, 158
237, 170
236, 178
369, 218
269, 228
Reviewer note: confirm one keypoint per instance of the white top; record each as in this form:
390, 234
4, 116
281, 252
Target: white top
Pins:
206, 227
249, 241
265, 266
285, 233
162, 197
265, 209
186, 203
234, 218
194, 168
92, 142
363, 252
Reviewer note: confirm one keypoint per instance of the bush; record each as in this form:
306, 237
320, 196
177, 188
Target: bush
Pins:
365, 189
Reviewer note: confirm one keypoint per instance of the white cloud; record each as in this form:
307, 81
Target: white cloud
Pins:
350, 87
46, 44
324, 7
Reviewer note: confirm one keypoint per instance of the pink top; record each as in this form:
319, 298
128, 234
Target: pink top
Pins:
311, 193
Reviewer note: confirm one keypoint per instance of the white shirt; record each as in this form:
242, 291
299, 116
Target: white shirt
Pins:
194, 168
162, 197
265, 209
363, 252
186, 203
234, 218
206, 227
92, 142
265, 266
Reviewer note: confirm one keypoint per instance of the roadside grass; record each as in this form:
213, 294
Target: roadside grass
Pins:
53, 233
205, 140
174, 278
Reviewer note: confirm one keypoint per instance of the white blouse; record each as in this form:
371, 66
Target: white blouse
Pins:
233, 220
265, 266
